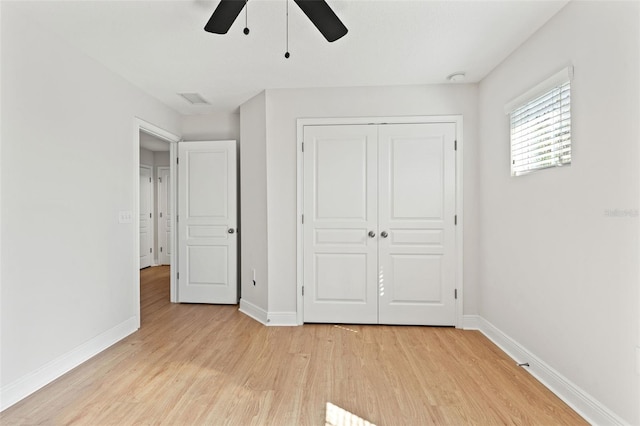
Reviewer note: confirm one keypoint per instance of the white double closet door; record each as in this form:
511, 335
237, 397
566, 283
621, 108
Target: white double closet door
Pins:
379, 231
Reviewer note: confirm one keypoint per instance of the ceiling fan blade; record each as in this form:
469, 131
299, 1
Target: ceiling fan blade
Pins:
224, 16
323, 17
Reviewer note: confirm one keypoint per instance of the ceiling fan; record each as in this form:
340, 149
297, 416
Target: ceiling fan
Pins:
318, 11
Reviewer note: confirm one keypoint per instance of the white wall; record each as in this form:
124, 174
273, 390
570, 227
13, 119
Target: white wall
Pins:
558, 275
285, 106
161, 159
68, 275
220, 126
146, 157
253, 214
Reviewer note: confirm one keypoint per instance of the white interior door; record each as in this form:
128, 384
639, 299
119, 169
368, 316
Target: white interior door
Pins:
146, 220
378, 232
340, 258
207, 222
416, 222
164, 216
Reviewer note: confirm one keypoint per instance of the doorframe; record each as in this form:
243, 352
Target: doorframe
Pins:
329, 121
149, 128
152, 218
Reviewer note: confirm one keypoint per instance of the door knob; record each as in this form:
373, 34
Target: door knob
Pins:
372, 234
384, 234
231, 230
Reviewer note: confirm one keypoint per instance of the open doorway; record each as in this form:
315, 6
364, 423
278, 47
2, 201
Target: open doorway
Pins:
155, 210
154, 150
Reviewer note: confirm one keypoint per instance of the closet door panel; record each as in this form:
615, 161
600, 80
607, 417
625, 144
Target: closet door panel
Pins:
340, 209
416, 223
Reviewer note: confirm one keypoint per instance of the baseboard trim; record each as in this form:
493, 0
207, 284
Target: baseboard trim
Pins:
30, 383
253, 311
470, 322
584, 404
282, 319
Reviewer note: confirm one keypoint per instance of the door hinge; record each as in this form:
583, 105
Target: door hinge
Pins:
177, 160
303, 290
178, 275
149, 180
302, 146
455, 219
455, 145
161, 214
160, 249
160, 179
149, 215
177, 218
303, 219
150, 250
455, 293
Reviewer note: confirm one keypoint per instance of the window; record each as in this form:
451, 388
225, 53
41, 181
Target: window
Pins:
541, 125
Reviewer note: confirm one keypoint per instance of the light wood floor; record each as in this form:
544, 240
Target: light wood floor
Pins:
210, 365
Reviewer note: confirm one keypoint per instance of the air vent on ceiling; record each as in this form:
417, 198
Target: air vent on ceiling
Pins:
194, 98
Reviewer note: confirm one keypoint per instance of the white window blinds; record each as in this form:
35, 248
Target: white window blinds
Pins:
541, 126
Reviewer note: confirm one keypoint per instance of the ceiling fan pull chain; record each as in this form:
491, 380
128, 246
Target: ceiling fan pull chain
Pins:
287, 54
246, 17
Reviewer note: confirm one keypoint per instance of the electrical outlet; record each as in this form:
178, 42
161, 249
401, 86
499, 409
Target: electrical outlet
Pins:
125, 216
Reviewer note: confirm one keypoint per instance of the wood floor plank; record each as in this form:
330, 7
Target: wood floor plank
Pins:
211, 365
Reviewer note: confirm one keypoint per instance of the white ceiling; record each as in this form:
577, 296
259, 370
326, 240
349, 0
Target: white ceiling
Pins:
161, 47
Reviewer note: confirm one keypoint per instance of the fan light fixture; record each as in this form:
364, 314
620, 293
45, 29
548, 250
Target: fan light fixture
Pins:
318, 12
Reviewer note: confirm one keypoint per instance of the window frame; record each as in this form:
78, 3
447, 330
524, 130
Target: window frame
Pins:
544, 88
